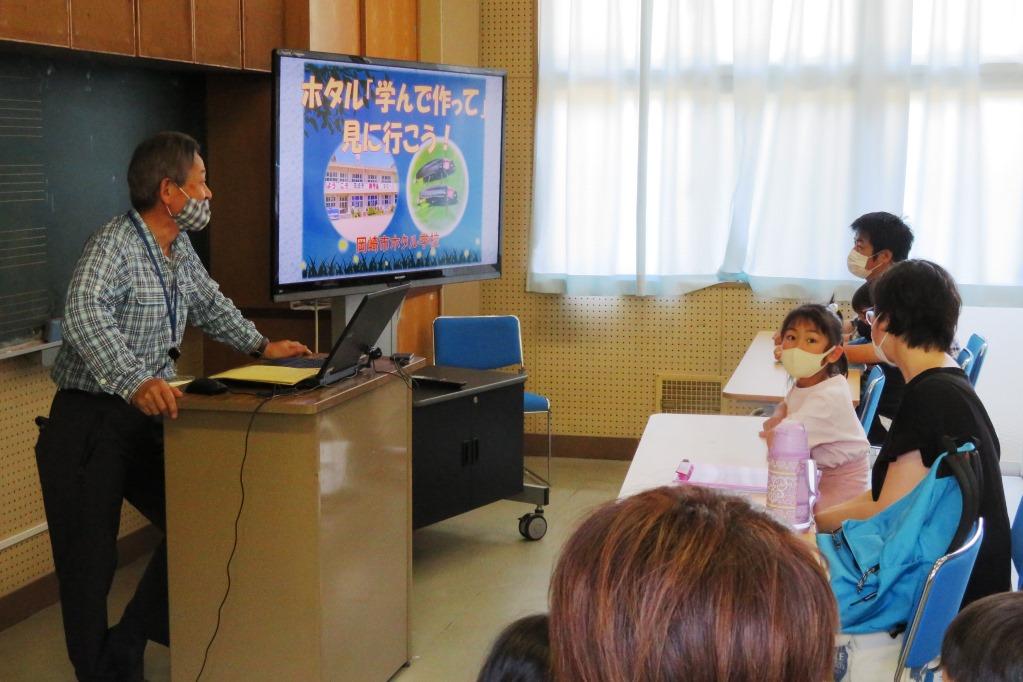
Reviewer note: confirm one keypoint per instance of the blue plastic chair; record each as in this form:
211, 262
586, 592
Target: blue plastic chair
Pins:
487, 342
971, 358
939, 603
871, 397
1017, 544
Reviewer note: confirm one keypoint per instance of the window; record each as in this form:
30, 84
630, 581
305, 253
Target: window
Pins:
685, 142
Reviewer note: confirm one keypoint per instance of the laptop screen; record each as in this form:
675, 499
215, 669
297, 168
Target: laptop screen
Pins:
362, 333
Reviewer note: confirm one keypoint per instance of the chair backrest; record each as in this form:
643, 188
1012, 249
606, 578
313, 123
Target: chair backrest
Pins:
939, 603
965, 360
1017, 544
871, 396
477, 342
977, 345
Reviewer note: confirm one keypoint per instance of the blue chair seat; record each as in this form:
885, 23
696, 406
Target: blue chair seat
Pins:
534, 402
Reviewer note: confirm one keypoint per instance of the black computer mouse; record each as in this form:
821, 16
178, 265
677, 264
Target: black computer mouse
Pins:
206, 386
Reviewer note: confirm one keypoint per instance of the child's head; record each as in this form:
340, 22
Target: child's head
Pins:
815, 329
983, 642
861, 301
521, 653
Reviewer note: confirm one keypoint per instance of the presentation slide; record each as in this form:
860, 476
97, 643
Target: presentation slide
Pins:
385, 169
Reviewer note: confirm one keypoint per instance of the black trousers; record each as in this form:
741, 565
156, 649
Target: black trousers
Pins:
95, 451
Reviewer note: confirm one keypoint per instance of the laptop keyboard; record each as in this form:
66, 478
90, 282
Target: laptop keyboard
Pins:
297, 362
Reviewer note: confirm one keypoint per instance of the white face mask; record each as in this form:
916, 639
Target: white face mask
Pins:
857, 264
801, 364
879, 352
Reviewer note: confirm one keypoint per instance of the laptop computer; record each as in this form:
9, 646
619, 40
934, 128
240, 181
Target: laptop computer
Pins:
361, 333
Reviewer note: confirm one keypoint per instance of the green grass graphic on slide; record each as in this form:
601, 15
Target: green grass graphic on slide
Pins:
387, 262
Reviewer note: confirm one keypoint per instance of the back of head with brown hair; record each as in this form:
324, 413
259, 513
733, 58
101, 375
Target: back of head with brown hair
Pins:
681, 583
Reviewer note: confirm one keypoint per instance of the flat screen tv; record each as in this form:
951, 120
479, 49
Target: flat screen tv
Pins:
384, 172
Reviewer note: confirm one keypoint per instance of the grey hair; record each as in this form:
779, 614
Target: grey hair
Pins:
168, 154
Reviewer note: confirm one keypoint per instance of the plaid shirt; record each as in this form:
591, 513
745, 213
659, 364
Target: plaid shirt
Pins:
117, 330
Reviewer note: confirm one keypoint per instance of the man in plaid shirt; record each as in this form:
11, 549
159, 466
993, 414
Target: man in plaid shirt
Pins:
135, 286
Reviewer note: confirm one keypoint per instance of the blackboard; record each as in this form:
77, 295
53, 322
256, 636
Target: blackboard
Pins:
68, 125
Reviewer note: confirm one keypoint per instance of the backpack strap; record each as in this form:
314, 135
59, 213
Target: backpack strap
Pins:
964, 463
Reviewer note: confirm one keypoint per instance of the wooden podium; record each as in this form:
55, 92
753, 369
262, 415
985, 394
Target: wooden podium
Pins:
321, 574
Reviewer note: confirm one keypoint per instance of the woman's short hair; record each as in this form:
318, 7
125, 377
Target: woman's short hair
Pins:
521, 653
682, 583
168, 154
920, 302
983, 642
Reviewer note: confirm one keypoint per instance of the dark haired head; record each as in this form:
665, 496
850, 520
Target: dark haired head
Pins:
683, 583
825, 322
920, 302
983, 642
861, 298
165, 155
521, 653
886, 232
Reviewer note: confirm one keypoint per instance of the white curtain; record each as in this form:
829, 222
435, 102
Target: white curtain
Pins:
684, 142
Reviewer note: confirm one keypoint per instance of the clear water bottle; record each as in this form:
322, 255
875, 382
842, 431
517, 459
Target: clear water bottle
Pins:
790, 474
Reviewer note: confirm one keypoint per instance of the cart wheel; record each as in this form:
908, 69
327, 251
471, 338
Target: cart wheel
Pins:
533, 526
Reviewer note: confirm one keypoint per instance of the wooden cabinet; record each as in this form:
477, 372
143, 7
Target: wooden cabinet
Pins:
218, 32
390, 29
35, 21
165, 29
103, 26
262, 31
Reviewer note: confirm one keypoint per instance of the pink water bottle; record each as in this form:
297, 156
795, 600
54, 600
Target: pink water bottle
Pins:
789, 474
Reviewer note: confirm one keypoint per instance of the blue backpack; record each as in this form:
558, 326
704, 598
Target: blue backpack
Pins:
878, 565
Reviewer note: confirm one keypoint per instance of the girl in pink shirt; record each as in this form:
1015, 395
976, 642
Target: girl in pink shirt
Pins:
811, 342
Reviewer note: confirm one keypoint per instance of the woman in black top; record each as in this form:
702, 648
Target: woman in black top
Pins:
916, 308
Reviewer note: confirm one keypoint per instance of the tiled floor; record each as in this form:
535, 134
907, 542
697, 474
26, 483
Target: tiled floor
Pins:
472, 575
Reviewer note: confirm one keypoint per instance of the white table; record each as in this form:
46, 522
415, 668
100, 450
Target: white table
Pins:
759, 378
670, 438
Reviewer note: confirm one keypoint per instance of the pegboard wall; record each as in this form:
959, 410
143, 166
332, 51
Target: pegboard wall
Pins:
25, 392
598, 358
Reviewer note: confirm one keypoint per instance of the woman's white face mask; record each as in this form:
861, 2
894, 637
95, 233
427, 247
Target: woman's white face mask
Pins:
801, 364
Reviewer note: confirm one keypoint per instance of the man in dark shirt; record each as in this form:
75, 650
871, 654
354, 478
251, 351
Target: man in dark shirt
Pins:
880, 240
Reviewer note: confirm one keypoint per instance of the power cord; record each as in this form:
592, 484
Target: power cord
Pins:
241, 505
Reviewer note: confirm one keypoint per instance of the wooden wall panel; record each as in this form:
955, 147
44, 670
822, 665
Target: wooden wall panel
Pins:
262, 31
415, 326
165, 29
218, 32
35, 21
335, 26
239, 161
391, 28
103, 26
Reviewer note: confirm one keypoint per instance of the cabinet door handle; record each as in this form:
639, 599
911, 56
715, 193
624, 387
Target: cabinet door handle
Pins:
475, 449
465, 452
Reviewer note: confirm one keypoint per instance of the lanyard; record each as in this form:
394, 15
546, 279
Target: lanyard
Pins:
171, 301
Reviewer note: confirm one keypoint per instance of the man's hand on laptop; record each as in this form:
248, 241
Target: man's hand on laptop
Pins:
275, 350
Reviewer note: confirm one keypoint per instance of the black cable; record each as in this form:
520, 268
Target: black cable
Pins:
234, 544
290, 391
